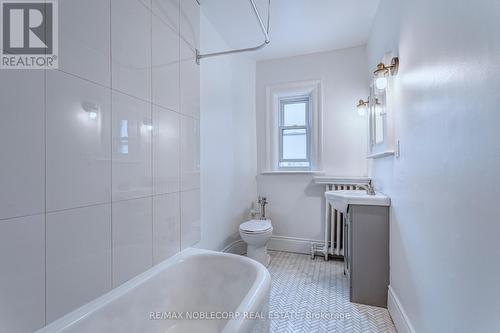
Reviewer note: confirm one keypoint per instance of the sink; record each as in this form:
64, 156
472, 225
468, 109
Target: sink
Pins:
340, 200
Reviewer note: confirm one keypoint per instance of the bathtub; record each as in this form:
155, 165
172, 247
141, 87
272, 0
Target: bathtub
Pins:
194, 291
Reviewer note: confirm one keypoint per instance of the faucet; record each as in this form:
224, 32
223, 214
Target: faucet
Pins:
368, 187
262, 202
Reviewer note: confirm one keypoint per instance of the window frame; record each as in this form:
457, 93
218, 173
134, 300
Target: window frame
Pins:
269, 138
283, 101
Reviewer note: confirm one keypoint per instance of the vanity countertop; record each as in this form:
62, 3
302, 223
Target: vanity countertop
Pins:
340, 200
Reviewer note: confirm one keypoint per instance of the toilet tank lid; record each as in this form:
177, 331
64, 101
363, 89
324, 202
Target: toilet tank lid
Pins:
256, 225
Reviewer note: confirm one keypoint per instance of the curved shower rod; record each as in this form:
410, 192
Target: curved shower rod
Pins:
265, 31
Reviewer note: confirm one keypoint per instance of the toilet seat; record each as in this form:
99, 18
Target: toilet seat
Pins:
256, 226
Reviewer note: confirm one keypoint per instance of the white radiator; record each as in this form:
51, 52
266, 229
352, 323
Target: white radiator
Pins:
334, 225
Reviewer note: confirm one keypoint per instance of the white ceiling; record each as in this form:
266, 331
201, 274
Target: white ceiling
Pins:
297, 26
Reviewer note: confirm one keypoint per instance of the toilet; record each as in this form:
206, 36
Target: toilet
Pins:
256, 233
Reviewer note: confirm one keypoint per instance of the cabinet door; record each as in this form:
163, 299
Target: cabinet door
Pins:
368, 228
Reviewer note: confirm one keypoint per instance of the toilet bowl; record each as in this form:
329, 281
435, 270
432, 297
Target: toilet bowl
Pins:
256, 234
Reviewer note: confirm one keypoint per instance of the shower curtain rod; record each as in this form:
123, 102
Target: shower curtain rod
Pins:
265, 31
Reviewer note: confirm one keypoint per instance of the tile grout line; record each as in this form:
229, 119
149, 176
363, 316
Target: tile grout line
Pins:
170, 26
179, 94
111, 133
6, 219
2, 220
152, 132
164, 108
45, 183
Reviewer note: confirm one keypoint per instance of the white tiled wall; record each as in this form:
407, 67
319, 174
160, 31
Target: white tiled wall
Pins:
77, 147
132, 238
131, 48
78, 257
132, 147
22, 278
190, 218
22, 167
87, 203
166, 226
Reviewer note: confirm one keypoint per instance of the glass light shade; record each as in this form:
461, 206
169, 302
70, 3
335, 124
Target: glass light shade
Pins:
362, 110
381, 83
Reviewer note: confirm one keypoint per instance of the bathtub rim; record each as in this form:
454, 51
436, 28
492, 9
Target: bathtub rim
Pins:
252, 301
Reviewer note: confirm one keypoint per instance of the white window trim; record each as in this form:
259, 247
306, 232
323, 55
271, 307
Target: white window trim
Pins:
274, 94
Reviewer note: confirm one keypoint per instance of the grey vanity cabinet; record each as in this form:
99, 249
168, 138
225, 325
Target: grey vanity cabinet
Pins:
366, 230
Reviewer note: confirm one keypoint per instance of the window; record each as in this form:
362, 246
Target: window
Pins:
293, 138
294, 132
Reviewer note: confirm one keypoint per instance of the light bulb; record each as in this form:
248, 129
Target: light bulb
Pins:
91, 108
381, 83
362, 110
92, 115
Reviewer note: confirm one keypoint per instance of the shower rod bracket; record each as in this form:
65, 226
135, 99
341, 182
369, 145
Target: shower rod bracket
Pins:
265, 31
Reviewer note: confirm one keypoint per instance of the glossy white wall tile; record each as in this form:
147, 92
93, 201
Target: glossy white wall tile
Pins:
165, 71
190, 153
190, 22
78, 257
22, 278
131, 48
166, 226
87, 152
190, 81
85, 39
78, 127
132, 130
132, 238
22, 176
190, 71
166, 153
190, 218
167, 11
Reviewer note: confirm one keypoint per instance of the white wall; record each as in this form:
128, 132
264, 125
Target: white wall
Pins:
445, 186
228, 143
295, 204
79, 214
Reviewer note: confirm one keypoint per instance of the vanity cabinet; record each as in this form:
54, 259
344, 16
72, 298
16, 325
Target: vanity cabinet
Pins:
366, 255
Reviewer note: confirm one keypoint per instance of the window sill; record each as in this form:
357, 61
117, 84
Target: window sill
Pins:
292, 172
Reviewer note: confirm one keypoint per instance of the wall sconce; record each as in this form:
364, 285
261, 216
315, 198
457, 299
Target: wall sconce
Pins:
383, 71
92, 109
362, 107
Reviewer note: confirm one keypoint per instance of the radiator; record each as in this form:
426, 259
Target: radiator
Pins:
333, 245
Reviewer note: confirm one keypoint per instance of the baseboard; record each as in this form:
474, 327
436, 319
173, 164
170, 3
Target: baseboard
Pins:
291, 244
236, 247
277, 243
397, 313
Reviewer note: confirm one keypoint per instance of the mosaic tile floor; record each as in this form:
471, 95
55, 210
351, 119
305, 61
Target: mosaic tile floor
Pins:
312, 296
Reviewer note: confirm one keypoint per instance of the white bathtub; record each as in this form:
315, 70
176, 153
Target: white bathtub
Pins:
231, 290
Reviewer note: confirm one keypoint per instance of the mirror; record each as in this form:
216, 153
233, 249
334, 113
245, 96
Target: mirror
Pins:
381, 116
377, 114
